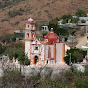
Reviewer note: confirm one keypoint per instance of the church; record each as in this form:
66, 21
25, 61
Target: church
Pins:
49, 51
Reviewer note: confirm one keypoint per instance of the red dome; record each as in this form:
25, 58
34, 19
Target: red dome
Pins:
52, 37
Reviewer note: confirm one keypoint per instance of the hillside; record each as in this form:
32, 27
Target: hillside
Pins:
14, 13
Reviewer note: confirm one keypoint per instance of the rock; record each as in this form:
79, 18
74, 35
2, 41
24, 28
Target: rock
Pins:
46, 72
36, 71
1, 72
31, 71
78, 67
55, 74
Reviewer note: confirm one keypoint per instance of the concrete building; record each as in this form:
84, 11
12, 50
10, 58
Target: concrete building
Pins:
45, 28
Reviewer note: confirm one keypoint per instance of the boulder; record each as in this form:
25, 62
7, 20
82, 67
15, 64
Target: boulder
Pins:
55, 74
78, 67
30, 71
46, 72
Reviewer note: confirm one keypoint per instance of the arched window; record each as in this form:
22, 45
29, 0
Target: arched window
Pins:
36, 59
27, 35
47, 61
45, 28
32, 35
28, 26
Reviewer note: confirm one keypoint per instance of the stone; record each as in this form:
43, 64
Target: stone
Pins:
55, 74
46, 72
78, 67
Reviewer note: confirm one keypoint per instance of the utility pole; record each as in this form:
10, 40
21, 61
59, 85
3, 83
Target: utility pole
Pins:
70, 59
87, 36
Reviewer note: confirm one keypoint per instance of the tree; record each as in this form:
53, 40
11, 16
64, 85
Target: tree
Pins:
44, 33
77, 55
66, 18
7, 38
59, 31
53, 24
18, 45
80, 13
83, 21
2, 48
82, 84
17, 53
37, 26
74, 20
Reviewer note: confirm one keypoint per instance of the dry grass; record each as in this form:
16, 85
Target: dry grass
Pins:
41, 10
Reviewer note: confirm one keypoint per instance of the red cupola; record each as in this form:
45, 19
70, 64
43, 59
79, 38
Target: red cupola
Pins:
51, 37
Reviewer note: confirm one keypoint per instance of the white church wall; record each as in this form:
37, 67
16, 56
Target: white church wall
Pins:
42, 52
51, 50
27, 48
32, 48
59, 52
46, 51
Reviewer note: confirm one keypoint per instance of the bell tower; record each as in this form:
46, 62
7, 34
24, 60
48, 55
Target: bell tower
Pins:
30, 30
29, 36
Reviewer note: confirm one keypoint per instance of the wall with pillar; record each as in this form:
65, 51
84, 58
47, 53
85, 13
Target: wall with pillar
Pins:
54, 52
42, 52
27, 48
46, 51
60, 52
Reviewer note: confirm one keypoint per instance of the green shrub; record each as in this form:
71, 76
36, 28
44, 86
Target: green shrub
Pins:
74, 20
44, 33
83, 21
66, 18
77, 55
82, 84
6, 3
59, 31
64, 21
15, 12
80, 13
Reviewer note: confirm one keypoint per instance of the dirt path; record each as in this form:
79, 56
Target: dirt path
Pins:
81, 41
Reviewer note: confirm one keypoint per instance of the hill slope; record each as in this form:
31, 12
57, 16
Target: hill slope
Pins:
14, 15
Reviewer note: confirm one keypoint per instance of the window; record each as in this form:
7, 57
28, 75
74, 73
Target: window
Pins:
47, 61
27, 35
87, 38
28, 26
36, 47
45, 28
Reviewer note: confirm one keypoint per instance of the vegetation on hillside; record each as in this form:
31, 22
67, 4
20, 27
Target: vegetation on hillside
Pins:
16, 12
16, 50
50, 9
68, 79
76, 55
6, 3
10, 47
9, 38
80, 13
59, 31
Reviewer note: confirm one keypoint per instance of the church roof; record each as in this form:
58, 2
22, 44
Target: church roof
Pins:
52, 37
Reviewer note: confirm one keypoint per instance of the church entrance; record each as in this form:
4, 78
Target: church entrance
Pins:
36, 59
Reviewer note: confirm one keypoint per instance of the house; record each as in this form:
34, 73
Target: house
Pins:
45, 28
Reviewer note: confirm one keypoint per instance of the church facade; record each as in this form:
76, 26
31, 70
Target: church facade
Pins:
50, 51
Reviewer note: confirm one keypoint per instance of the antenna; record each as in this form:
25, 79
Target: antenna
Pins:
87, 31
86, 26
